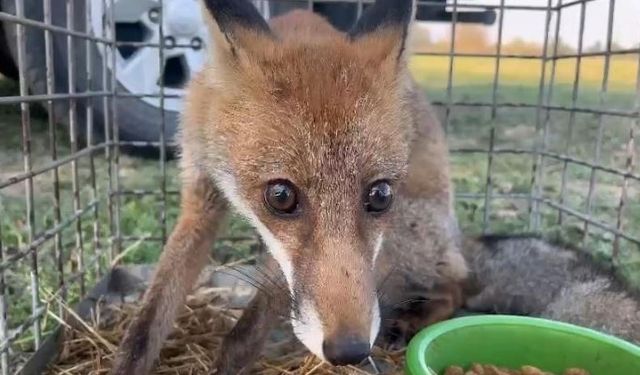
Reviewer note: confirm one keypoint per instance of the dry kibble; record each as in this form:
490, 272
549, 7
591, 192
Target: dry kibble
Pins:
454, 370
576, 371
509, 371
477, 368
486, 369
530, 370
493, 370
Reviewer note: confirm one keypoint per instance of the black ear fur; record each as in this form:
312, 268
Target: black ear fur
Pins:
384, 13
231, 13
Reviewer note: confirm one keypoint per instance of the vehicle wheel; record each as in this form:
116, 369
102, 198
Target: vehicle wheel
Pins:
7, 66
138, 69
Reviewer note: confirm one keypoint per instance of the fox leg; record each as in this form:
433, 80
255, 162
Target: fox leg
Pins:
242, 346
182, 260
423, 309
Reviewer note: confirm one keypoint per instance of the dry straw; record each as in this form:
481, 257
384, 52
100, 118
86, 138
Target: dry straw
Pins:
89, 347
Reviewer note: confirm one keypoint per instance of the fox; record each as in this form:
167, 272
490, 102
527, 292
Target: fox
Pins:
327, 145
526, 275
529, 275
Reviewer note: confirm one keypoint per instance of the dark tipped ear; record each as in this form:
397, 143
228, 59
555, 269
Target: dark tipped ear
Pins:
229, 14
235, 25
383, 14
390, 16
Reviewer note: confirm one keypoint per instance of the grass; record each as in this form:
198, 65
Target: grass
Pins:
468, 128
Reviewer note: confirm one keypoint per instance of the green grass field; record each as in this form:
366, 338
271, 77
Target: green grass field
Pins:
468, 127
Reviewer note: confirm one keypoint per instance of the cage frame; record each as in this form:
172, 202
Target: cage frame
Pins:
106, 243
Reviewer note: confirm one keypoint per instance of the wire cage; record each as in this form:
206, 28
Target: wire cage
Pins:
542, 139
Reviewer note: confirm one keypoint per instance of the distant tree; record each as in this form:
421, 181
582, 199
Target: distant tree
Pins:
473, 39
599, 46
469, 39
563, 48
595, 47
519, 46
615, 46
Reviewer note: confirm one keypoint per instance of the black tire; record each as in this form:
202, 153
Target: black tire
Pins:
136, 119
7, 65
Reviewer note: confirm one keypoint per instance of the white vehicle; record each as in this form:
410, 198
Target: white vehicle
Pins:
140, 76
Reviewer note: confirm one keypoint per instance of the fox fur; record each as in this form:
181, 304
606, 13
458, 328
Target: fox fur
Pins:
526, 275
330, 112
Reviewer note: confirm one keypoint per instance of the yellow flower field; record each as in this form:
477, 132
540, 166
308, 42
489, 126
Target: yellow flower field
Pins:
433, 71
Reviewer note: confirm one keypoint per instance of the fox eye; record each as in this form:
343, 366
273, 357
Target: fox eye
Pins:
379, 197
281, 198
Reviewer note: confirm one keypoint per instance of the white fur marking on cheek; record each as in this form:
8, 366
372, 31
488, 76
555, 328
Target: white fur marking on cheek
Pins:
375, 322
377, 247
308, 328
227, 184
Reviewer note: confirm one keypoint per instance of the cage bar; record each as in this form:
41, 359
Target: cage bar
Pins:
452, 48
21, 21
634, 125
547, 119
95, 246
572, 113
161, 140
492, 131
603, 92
26, 153
57, 216
114, 162
539, 144
73, 138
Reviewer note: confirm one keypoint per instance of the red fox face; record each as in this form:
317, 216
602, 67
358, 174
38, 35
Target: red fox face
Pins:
306, 131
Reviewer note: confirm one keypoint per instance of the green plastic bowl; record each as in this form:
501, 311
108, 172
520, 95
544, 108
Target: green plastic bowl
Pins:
514, 341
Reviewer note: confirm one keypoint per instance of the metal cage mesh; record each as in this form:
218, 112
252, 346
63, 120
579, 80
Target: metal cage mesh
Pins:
63, 201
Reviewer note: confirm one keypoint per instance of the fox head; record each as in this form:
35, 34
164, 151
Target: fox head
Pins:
306, 131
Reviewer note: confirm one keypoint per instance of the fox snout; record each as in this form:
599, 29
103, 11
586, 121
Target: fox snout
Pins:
338, 315
341, 334
346, 349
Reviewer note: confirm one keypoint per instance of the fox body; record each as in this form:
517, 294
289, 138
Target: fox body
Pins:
528, 276
322, 140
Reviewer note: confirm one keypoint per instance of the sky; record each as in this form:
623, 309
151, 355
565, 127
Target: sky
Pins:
529, 25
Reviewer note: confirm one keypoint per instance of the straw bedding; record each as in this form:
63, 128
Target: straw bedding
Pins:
88, 348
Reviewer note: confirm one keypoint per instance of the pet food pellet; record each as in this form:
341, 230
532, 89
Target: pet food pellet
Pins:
575, 371
454, 370
530, 370
484, 369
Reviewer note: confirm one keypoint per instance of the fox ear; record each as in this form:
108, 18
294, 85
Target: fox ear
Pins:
236, 26
388, 21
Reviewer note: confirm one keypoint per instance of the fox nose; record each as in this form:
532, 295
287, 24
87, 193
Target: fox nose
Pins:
345, 351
